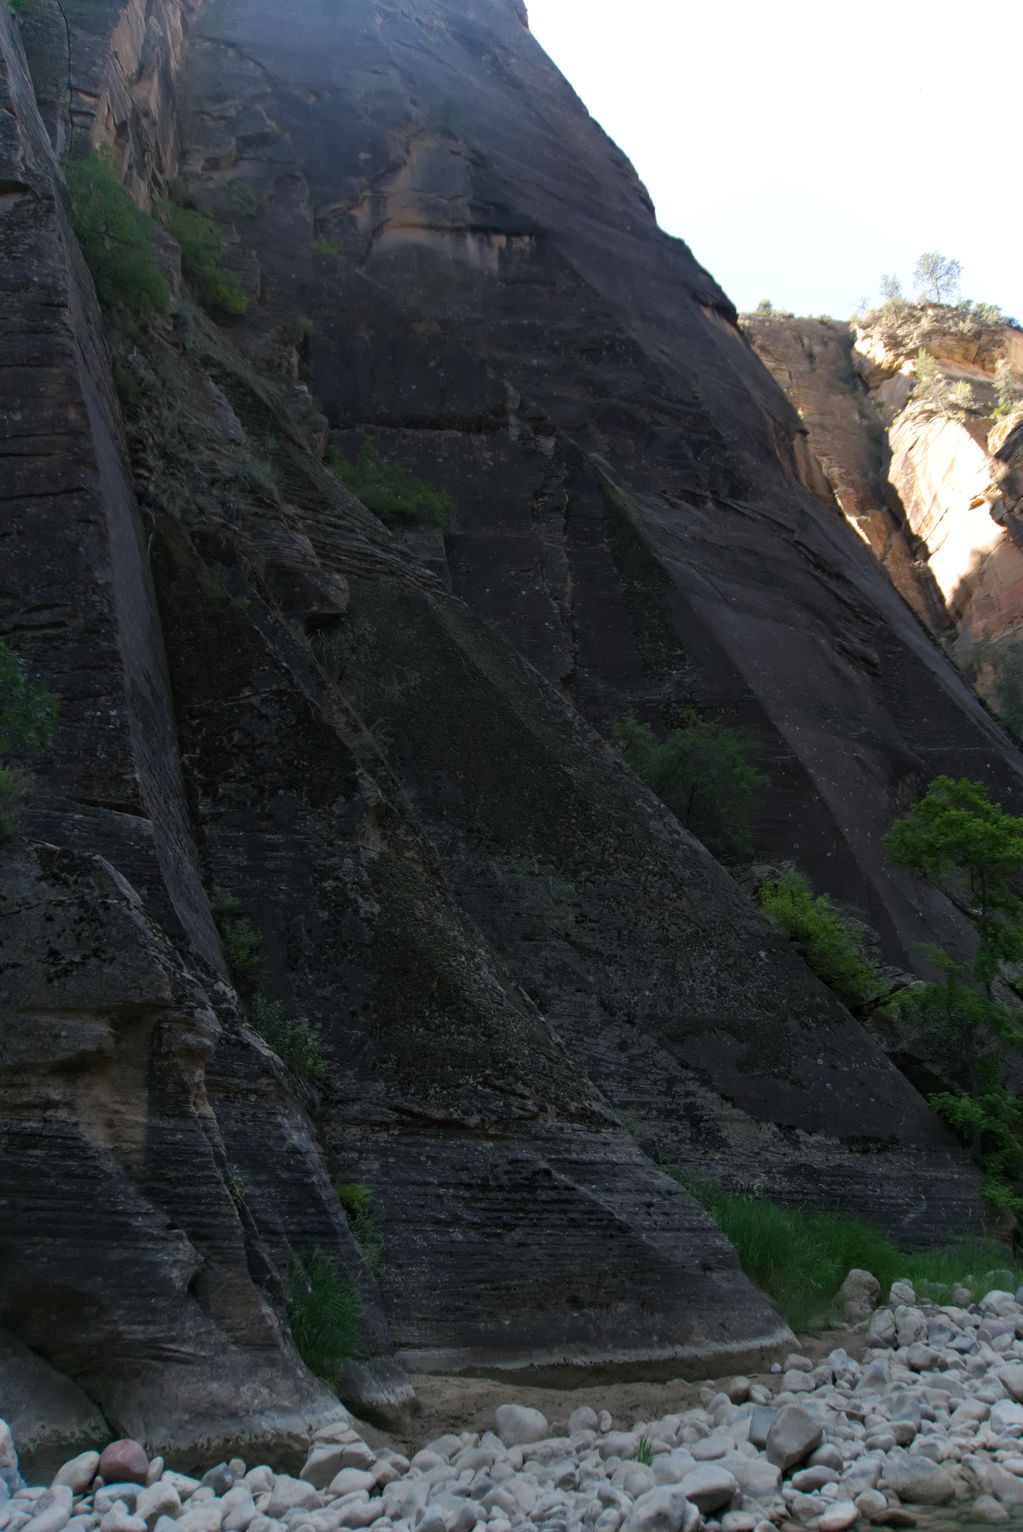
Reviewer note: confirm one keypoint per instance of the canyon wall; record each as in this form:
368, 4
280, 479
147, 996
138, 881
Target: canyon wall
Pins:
384, 747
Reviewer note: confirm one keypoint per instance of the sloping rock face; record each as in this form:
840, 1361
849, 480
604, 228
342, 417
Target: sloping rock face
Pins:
376, 745
812, 362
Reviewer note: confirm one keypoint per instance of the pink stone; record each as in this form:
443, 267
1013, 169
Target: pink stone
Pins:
124, 1462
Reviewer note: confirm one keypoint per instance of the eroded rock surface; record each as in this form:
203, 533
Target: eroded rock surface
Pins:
374, 746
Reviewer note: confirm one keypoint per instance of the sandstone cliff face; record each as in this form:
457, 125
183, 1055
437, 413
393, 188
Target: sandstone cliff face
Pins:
380, 743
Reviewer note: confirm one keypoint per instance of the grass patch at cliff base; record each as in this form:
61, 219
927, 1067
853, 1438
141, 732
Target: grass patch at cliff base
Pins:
800, 1258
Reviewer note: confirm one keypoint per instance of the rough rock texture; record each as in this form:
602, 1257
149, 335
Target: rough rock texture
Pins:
812, 361
495, 932
933, 492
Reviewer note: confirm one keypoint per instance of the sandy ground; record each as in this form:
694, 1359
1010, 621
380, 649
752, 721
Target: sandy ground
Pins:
468, 1404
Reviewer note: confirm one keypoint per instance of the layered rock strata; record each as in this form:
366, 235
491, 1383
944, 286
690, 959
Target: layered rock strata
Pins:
373, 746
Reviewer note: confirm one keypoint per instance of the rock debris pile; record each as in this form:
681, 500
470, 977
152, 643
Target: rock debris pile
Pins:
930, 1416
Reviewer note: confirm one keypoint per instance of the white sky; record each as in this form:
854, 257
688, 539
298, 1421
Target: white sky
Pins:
804, 147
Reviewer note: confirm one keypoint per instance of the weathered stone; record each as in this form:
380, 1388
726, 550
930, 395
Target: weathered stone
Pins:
839, 1515
659, 1510
792, 1437
52, 1511
79, 1472
288, 1493
124, 1460
918, 1480
158, 1500
709, 1488
516, 1424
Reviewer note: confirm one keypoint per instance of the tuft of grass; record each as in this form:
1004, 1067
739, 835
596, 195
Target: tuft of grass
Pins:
800, 1259
295, 1042
324, 1314
357, 1201
644, 1452
388, 490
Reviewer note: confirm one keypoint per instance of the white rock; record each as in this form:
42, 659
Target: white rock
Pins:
120, 1519
1007, 1418
203, 1516
79, 1472
52, 1510
1000, 1303
516, 1423
287, 1493
347, 1482
661, 1510
838, 1516
871, 1502
881, 1329
918, 1480
156, 1500
709, 1488
809, 1479
987, 1508
910, 1324
186, 1486
582, 1419
902, 1292
992, 1479
792, 1437
738, 1521
738, 1391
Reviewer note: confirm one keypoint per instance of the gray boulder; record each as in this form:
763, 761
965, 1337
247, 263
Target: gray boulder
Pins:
792, 1437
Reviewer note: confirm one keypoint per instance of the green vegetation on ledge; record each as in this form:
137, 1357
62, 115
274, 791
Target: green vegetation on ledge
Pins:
813, 923
389, 490
217, 288
703, 773
117, 240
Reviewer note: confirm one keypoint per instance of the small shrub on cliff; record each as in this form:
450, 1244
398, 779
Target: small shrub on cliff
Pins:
1008, 392
117, 241
388, 489
324, 1314
814, 925
296, 1043
703, 772
934, 390
357, 1201
202, 259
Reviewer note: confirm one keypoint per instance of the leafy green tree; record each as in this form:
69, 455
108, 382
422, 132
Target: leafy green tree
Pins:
937, 277
957, 838
813, 923
702, 771
28, 716
117, 241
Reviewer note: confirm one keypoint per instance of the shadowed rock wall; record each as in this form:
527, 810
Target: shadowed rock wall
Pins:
377, 743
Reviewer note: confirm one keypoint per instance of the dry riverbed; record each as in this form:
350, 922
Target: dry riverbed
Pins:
914, 1417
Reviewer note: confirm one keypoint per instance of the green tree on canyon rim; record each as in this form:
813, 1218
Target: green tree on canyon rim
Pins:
937, 277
